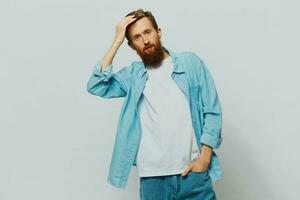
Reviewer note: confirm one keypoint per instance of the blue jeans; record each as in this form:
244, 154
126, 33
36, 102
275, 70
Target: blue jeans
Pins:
193, 186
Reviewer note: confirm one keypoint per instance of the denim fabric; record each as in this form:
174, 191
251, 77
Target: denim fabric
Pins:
194, 186
192, 77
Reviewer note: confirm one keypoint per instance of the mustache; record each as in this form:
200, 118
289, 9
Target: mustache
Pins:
146, 47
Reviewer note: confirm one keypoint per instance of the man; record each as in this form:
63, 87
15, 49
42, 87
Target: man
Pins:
170, 120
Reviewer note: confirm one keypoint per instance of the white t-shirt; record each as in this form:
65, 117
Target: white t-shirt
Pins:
168, 142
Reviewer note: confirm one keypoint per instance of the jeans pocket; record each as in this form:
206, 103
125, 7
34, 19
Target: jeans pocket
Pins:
201, 176
198, 172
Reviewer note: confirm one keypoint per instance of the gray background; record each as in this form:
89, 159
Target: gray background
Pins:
56, 139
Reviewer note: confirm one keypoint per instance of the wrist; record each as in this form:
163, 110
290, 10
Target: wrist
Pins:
205, 155
204, 159
116, 43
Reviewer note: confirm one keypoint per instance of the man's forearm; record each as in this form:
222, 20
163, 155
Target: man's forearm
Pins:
109, 56
118, 40
205, 153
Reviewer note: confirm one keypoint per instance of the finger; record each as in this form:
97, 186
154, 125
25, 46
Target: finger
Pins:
125, 19
186, 171
128, 21
130, 17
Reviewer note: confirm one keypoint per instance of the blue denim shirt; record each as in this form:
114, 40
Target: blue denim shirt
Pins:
192, 77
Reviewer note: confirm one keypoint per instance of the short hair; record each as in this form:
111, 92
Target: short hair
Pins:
140, 13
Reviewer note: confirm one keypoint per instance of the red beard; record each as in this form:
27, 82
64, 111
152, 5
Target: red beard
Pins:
152, 57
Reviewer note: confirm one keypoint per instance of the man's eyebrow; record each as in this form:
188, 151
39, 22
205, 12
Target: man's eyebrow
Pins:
139, 33
135, 35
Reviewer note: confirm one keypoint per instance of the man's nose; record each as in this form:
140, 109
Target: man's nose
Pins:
146, 40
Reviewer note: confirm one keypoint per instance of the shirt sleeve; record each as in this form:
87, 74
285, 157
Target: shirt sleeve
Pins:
107, 83
212, 113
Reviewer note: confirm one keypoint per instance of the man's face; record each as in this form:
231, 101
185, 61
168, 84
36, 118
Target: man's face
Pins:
145, 40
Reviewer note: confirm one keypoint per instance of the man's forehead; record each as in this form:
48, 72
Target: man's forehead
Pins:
139, 26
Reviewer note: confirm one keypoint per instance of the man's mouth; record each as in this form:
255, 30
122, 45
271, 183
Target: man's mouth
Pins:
148, 47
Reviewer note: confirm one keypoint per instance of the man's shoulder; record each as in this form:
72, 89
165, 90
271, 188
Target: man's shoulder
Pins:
189, 55
136, 63
132, 66
136, 67
191, 62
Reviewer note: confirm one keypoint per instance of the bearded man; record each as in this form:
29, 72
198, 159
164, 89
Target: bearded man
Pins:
170, 121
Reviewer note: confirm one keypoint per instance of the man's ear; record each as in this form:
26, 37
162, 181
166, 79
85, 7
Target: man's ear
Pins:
159, 32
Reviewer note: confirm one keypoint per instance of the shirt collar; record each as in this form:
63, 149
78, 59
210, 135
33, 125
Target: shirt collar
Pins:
177, 67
